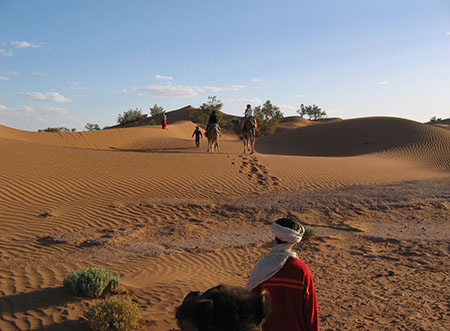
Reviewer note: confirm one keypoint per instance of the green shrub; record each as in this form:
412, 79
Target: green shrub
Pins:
60, 128
114, 313
90, 281
201, 114
434, 119
313, 112
268, 117
92, 127
156, 110
309, 233
129, 116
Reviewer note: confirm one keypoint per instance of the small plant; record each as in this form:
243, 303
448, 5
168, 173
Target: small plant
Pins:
58, 129
114, 313
434, 119
91, 281
92, 127
309, 233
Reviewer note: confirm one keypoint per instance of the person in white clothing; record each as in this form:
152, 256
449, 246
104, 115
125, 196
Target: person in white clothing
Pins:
249, 113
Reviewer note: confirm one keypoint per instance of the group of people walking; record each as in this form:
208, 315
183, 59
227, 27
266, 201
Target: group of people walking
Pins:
213, 120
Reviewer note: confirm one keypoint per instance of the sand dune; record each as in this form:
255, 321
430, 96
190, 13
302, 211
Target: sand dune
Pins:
144, 138
294, 122
150, 137
170, 218
394, 137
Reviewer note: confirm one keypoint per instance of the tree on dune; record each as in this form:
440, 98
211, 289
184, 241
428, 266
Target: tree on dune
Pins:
268, 117
201, 114
313, 112
435, 119
156, 110
57, 129
131, 115
92, 127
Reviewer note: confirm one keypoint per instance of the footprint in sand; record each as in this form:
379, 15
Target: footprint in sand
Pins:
254, 169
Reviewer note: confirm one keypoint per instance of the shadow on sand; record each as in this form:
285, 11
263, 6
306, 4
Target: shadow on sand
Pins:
78, 325
40, 299
157, 150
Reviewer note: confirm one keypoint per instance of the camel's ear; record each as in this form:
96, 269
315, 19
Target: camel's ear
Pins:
192, 296
263, 306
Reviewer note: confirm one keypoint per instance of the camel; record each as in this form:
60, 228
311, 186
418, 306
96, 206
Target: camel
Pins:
223, 308
248, 136
213, 134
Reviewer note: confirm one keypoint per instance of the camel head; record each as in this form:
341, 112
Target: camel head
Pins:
222, 308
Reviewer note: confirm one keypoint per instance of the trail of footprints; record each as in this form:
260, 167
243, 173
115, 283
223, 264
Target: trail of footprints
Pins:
257, 171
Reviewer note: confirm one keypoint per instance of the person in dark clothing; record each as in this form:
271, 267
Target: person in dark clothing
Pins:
198, 136
213, 120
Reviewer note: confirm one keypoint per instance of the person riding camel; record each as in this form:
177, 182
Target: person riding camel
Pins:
213, 121
249, 114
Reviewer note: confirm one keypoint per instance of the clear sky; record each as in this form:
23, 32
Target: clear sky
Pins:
67, 63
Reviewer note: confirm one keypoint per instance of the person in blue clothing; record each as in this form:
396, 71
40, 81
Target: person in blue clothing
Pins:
198, 135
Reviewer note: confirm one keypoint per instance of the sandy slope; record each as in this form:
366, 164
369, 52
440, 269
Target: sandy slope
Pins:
170, 218
294, 122
393, 137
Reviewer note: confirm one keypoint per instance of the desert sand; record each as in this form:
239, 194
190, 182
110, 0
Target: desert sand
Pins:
170, 218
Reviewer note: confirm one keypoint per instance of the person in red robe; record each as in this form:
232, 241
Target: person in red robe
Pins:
288, 280
163, 121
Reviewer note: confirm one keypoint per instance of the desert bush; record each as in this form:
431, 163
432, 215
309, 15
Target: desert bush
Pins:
435, 119
309, 233
56, 129
114, 313
92, 127
201, 114
268, 117
131, 115
90, 281
313, 112
156, 110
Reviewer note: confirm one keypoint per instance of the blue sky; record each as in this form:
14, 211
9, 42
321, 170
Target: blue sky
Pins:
67, 63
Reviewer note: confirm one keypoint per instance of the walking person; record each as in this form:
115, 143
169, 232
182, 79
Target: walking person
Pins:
164, 121
288, 281
198, 135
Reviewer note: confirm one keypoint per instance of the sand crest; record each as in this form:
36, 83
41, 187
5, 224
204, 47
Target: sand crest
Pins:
171, 218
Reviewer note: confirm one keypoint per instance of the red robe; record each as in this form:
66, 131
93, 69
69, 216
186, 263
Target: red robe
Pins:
292, 299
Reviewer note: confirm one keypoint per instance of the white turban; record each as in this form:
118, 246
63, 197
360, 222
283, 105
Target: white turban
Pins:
286, 234
270, 264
